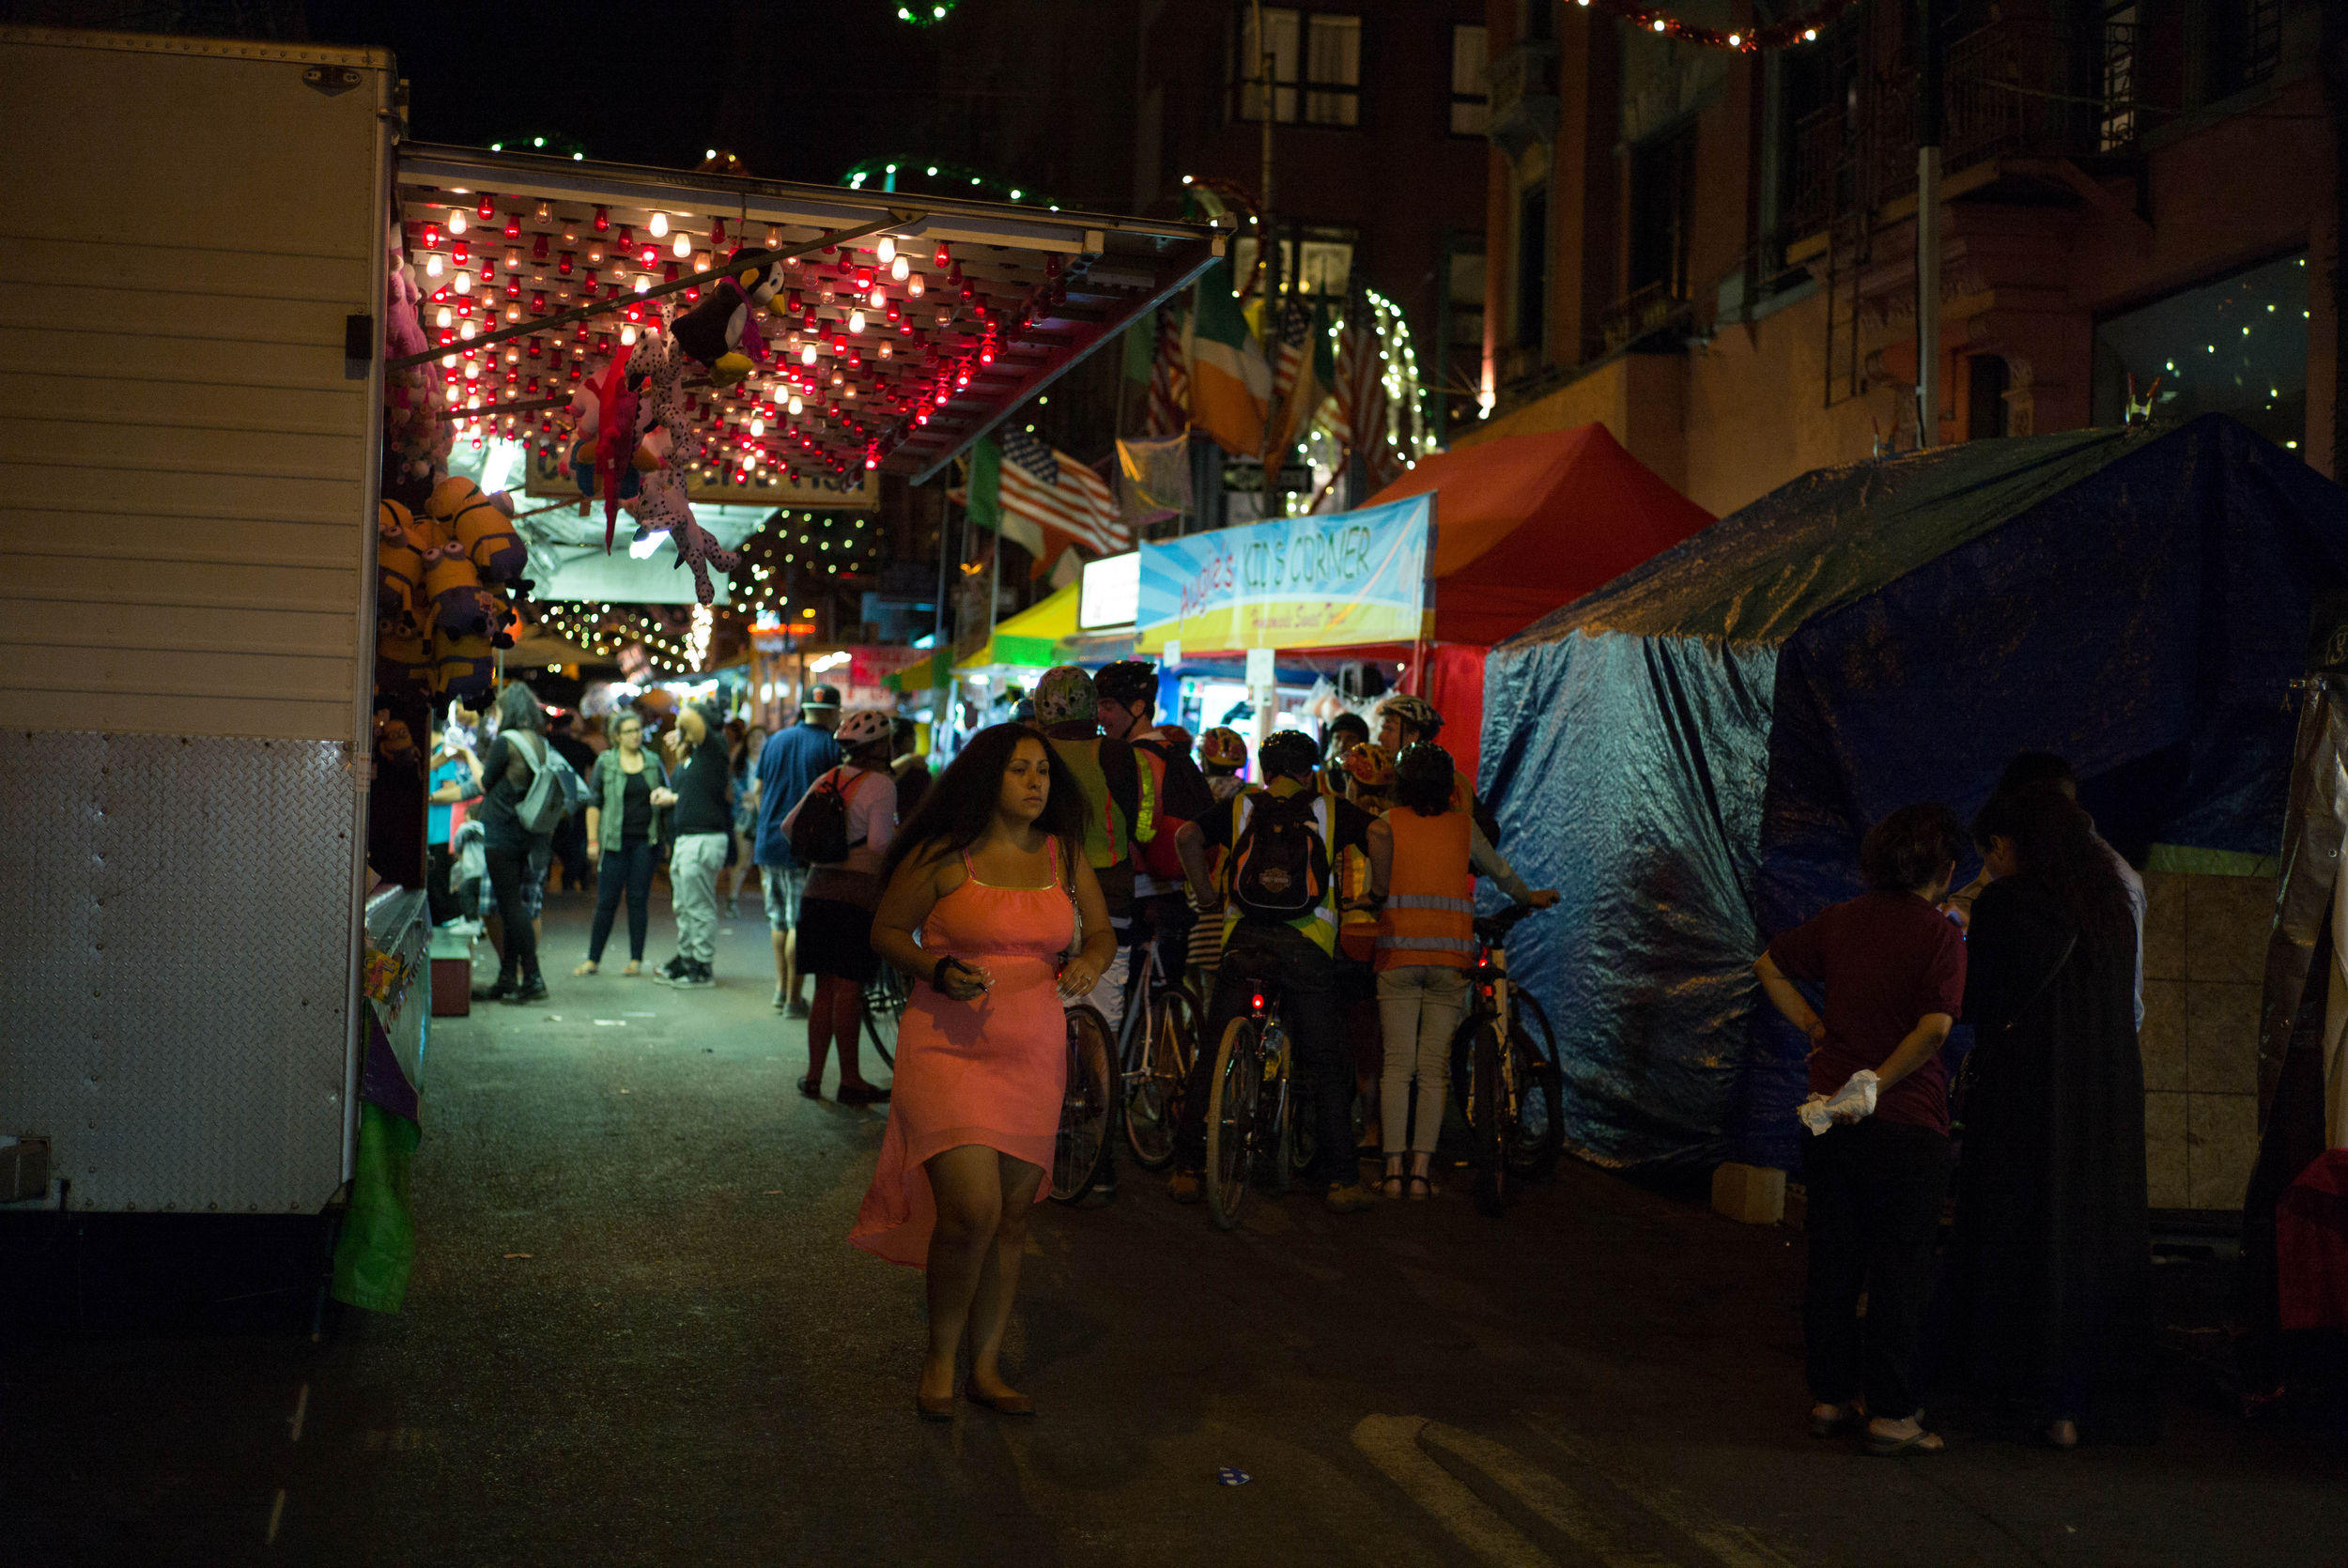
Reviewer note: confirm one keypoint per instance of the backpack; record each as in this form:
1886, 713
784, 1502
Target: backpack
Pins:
1280, 865
554, 790
819, 829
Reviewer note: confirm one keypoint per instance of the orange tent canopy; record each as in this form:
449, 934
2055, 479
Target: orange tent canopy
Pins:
1528, 523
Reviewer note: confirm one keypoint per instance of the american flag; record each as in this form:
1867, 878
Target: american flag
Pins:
1070, 503
1359, 419
1296, 331
1168, 410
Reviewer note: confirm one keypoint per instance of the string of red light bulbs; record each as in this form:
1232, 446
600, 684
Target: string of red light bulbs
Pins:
1777, 35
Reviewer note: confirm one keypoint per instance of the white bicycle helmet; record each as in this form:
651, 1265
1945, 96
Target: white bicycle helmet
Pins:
862, 727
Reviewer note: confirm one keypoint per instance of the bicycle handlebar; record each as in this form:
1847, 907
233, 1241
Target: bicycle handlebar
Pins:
1494, 929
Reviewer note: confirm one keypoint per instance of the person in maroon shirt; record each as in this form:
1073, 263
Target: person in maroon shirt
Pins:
1893, 969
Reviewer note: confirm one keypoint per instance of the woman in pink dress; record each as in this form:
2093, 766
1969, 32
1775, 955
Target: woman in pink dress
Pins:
986, 884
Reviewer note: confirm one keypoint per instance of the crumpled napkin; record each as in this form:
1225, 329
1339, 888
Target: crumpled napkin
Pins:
1854, 1100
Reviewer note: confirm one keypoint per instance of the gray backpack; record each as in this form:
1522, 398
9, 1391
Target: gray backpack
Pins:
552, 789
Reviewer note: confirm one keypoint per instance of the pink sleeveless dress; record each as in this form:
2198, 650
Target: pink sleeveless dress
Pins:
990, 1072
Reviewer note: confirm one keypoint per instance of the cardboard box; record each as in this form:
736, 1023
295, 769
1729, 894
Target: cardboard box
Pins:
1750, 1194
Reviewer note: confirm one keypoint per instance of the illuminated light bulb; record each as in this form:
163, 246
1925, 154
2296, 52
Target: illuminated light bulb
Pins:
659, 224
628, 335
456, 221
1809, 34
433, 266
487, 207
445, 318
513, 226
642, 283
856, 321
683, 248
807, 355
513, 259
1659, 24
914, 286
795, 404
1734, 40
448, 360
773, 238
462, 283
884, 348
944, 258
758, 426
648, 255
627, 240
544, 212
472, 371
459, 253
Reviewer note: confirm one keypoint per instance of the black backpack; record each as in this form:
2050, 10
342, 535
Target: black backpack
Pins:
1280, 867
819, 831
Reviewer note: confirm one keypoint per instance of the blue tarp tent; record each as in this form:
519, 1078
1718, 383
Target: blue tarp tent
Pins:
1691, 754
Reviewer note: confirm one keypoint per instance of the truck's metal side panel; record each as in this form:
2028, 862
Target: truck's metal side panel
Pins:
173, 950
183, 445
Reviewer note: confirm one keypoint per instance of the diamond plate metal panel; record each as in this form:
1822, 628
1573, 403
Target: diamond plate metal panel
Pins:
174, 965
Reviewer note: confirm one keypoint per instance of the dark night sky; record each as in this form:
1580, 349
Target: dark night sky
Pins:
798, 90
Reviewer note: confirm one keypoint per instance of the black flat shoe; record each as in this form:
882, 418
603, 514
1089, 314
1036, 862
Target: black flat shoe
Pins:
812, 1087
497, 992
535, 991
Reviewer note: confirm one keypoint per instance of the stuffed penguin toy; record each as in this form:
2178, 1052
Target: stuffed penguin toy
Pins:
722, 332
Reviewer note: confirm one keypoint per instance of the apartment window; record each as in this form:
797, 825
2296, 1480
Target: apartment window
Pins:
1531, 267
1315, 64
1471, 108
1662, 193
2119, 117
1320, 261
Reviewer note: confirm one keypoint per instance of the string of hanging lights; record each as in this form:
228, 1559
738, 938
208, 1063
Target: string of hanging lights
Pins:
1777, 35
959, 177
928, 14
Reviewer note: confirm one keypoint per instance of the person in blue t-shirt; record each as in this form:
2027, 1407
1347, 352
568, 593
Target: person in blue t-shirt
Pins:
788, 764
456, 777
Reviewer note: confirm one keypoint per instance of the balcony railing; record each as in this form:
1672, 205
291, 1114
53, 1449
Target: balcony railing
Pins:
1651, 309
1853, 157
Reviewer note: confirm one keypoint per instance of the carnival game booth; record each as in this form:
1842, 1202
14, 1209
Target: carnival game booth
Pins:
235, 576
1512, 529
1693, 755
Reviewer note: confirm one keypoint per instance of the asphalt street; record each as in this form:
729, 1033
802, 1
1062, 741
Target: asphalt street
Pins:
636, 1334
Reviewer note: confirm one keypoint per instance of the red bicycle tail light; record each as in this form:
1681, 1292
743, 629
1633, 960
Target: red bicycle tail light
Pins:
1258, 1001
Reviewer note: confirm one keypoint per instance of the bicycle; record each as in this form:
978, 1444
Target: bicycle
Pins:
1153, 1048
1249, 1116
1505, 1075
885, 999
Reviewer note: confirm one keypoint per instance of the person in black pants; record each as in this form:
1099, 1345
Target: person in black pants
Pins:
1292, 958
628, 794
1893, 967
508, 847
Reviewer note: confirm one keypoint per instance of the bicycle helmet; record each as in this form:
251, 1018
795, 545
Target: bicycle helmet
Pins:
1416, 711
1126, 681
1423, 776
1369, 766
1065, 696
863, 727
1220, 747
1289, 753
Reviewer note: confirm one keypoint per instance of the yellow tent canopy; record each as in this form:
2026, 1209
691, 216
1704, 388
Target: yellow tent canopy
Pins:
1028, 641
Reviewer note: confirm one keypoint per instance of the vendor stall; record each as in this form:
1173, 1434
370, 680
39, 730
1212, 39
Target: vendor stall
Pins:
1693, 755
240, 574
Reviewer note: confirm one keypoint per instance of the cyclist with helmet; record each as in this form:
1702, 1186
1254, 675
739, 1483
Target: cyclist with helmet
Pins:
1280, 936
1121, 807
1222, 752
1367, 775
835, 935
1363, 774
1128, 696
1403, 719
1425, 856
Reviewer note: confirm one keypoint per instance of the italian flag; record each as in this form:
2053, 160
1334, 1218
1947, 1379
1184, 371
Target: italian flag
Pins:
1230, 385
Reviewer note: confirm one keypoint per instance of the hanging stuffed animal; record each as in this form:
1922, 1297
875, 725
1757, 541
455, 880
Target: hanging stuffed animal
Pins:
402, 613
481, 526
647, 412
662, 507
722, 332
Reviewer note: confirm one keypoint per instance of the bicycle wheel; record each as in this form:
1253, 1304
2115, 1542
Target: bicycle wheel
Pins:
1486, 1110
1085, 1107
885, 1003
1153, 1095
1232, 1104
1540, 1091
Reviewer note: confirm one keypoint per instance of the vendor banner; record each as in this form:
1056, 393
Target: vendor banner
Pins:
1294, 582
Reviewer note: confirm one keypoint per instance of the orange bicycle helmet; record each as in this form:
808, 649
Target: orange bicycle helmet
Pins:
1223, 748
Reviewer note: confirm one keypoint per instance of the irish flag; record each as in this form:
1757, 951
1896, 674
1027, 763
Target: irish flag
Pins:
1230, 385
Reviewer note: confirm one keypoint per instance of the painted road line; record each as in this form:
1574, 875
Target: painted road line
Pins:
302, 1409
1391, 1443
1543, 1493
1732, 1545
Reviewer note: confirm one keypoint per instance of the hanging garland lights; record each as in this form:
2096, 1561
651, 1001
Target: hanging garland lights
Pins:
1777, 35
928, 15
956, 177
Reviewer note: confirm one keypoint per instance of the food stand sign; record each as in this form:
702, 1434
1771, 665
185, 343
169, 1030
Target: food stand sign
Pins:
1294, 582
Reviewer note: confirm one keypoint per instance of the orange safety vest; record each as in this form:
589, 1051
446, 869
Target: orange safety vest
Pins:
1431, 896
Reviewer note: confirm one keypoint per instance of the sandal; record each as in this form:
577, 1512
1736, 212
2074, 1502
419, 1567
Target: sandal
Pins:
812, 1086
635, 967
590, 967
1391, 1187
1915, 1443
1420, 1189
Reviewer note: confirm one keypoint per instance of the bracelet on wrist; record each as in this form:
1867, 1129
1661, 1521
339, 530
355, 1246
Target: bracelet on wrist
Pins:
937, 971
